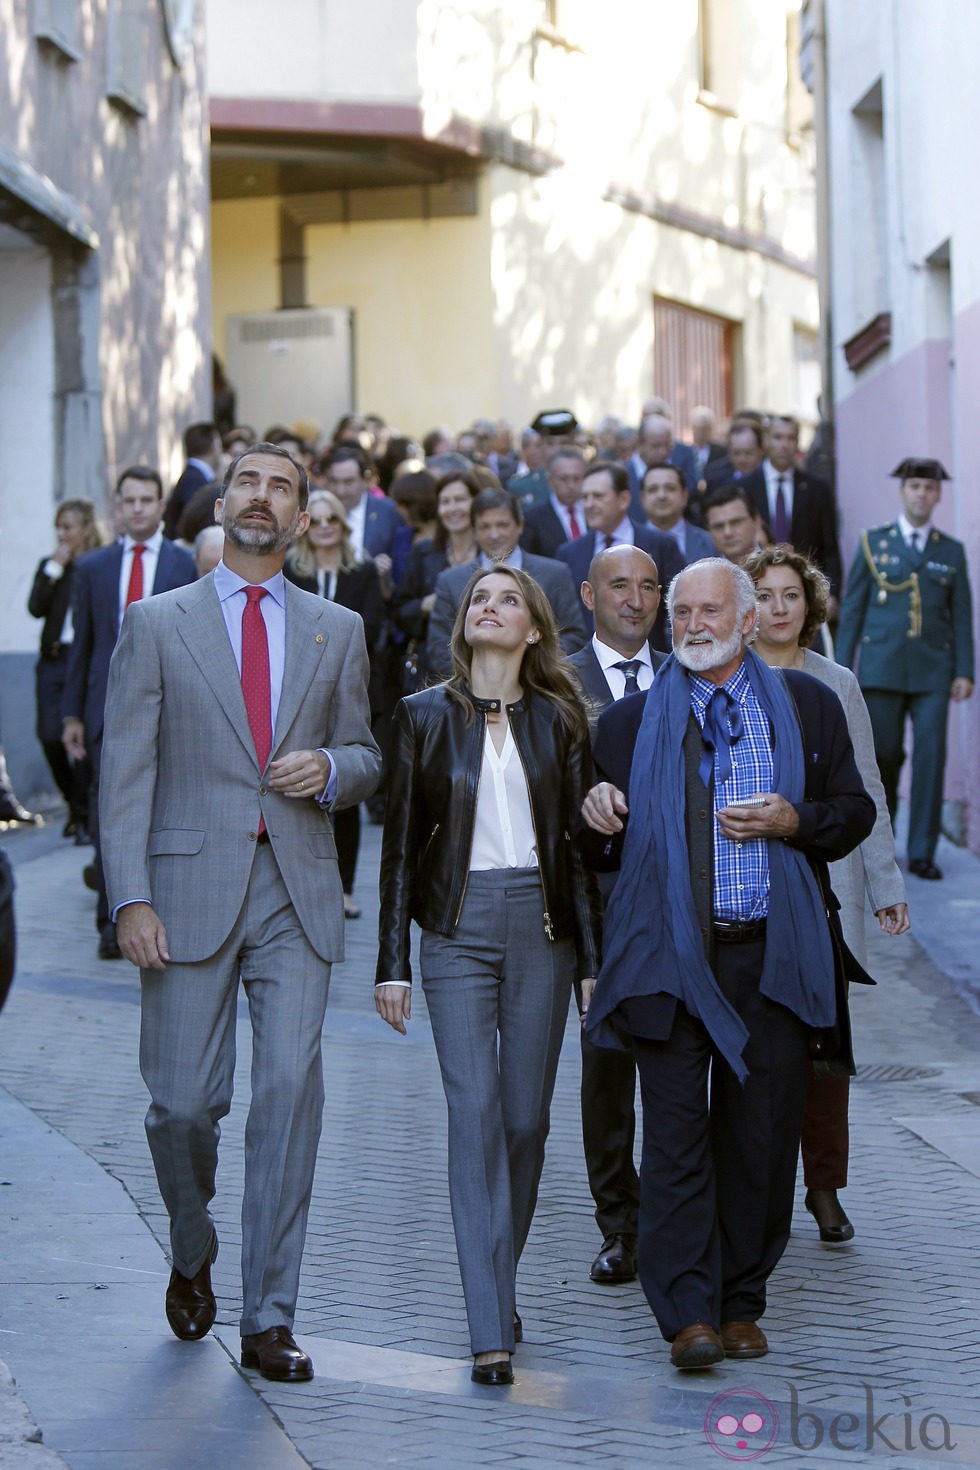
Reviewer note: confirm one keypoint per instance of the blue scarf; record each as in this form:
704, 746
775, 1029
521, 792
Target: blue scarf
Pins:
653, 943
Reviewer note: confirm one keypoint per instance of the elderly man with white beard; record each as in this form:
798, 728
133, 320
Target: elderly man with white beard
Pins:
723, 793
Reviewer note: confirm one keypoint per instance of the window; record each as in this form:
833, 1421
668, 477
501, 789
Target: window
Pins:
56, 21
126, 46
692, 360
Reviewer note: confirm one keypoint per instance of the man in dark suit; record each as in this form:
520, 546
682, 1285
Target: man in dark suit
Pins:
734, 786
623, 593
374, 519
746, 451
706, 450
797, 507
140, 564
203, 450
497, 525
908, 609
656, 445
665, 499
560, 518
606, 500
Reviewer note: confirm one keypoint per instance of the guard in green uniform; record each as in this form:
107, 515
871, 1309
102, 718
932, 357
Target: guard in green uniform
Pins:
908, 610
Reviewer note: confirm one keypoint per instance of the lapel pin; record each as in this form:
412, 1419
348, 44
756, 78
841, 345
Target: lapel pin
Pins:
319, 638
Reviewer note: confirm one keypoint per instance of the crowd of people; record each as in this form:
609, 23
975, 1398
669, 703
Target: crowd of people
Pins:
587, 681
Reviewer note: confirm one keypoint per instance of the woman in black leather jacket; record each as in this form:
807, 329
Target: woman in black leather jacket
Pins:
488, 773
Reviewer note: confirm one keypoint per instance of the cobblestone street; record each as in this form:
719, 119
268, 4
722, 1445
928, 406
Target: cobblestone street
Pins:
873, 1347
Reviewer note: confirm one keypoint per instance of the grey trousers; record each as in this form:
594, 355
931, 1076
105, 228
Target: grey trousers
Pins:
187, 1057
497, 994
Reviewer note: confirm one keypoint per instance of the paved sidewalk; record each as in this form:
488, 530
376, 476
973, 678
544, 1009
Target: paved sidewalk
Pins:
867, 1342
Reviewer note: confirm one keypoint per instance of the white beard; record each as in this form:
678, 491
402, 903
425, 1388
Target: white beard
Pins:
707, 652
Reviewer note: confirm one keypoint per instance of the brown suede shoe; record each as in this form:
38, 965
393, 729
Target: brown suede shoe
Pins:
743, 1340
697, 1346
275, 1354
191, 1308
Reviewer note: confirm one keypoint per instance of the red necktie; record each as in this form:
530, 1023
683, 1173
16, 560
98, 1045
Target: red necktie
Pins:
135, 590
256, 680
574, 526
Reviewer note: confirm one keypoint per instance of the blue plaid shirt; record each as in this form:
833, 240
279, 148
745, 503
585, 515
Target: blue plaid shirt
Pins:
741, 869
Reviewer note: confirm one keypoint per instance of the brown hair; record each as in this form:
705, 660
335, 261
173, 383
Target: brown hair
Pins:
440, 538
544, 670
816, 587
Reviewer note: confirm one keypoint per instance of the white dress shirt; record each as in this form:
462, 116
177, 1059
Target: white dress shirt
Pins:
623, 535
910, 533
563, 512
150, 557
615, 678
503, 828
357, 518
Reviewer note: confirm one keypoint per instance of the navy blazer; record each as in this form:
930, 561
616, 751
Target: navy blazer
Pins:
95, 613
543, 532
813, 524
186, 487
381, 521
577, 556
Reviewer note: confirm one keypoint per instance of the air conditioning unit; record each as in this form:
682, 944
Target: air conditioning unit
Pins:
287, 366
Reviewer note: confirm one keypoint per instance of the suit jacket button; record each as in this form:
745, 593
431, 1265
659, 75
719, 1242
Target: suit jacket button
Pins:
263, 791
253, 837
703, 873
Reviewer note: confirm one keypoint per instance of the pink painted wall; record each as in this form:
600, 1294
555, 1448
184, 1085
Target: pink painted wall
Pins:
917, 405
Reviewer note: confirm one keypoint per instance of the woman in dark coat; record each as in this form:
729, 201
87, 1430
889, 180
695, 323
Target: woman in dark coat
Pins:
78, 531
321, 561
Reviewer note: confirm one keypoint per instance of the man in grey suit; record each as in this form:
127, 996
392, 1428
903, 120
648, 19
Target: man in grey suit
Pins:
236, 719
623, 594
497, 526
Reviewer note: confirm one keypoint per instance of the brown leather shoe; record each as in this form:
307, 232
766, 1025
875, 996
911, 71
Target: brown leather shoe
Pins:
743, 1340
191, 1308
697, 1346
275, 1354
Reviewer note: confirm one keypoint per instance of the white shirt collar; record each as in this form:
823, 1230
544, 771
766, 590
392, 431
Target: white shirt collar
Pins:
152, 543
908, 530
609, 657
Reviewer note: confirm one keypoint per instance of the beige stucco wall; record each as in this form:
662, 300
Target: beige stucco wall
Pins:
546, 296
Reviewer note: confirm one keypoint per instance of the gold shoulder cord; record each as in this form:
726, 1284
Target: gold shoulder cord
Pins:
911, 586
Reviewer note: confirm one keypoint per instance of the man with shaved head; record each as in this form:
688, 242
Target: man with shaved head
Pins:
623, 594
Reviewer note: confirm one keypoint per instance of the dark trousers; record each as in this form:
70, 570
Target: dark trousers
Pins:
824, 1140
94, 749
929, 714
608, 1131
71, 777
347, 835
718, 1171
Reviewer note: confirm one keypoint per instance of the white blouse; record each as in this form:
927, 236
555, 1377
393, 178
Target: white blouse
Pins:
503, 830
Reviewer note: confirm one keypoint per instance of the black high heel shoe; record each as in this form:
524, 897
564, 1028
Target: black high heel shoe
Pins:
836, 1234
493, 1375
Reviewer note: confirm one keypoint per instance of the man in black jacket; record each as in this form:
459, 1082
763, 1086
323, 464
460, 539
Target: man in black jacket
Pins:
718, 952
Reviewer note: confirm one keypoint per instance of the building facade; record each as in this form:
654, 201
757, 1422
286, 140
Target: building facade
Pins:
517, 206
104, 280
904, 274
